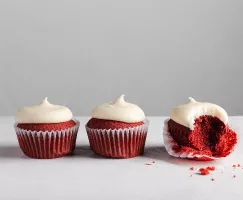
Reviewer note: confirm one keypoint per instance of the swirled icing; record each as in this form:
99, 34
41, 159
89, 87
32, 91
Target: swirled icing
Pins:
119, 110
43, 113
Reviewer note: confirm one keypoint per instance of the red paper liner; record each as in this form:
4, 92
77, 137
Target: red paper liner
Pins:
47, 145
122, 143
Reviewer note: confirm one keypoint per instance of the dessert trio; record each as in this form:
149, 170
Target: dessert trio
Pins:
118, 129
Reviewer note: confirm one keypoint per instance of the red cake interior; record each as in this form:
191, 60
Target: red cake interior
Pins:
210, 137
110, 124
47, 127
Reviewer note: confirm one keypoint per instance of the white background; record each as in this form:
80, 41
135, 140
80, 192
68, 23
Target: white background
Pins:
82, 53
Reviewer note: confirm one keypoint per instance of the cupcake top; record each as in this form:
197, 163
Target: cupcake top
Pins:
43, 113
187, 113
119, 110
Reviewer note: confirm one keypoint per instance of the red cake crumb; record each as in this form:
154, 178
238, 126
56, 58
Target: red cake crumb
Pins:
110, 124
234, 176
153, 162
204, 172
212, 179
210, 137
212, 168
148, 164
234, 166
238, 165
47, 127
191, 168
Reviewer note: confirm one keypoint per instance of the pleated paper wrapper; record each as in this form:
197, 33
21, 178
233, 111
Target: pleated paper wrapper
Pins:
169, 143
121, 143
48, 144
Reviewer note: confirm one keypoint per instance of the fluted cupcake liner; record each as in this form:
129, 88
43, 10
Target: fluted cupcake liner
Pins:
169, 144
47, 144
118, 143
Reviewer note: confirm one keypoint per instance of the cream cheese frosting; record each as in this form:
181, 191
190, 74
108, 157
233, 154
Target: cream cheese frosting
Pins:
187, 113
43, 113
119, 110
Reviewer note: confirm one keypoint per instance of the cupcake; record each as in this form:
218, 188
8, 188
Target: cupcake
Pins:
46, 131
117, 129
199, 131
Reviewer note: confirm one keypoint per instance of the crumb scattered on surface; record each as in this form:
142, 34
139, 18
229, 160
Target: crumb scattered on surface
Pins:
204, 172
234, 176
212, 179
238, 165
192, 168
148, 164
153, 162
211, 168
234, 166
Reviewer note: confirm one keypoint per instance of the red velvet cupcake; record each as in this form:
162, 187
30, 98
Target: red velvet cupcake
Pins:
199, 131
117, 129
46, 131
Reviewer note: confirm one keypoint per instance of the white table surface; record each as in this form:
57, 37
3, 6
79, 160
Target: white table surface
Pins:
88, 176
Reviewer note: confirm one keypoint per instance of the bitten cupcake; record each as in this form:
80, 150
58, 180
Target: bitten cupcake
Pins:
199, 131
117, 129
46, 131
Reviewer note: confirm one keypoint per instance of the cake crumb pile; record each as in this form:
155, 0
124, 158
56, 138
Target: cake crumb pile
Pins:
212, 168
204, 171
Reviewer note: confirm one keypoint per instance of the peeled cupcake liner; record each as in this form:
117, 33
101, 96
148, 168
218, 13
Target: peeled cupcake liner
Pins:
47, 144
169, 143
118, 143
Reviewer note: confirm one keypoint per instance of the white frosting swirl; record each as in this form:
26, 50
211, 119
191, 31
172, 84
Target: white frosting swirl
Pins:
43, 113
187, 113
119, 110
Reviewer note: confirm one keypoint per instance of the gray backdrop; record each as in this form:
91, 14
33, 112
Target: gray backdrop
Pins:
81, 53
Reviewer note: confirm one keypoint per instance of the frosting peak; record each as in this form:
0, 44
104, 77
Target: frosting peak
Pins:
45, 101
187, 113
45, 112
120, 100
119, 110
191, 100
